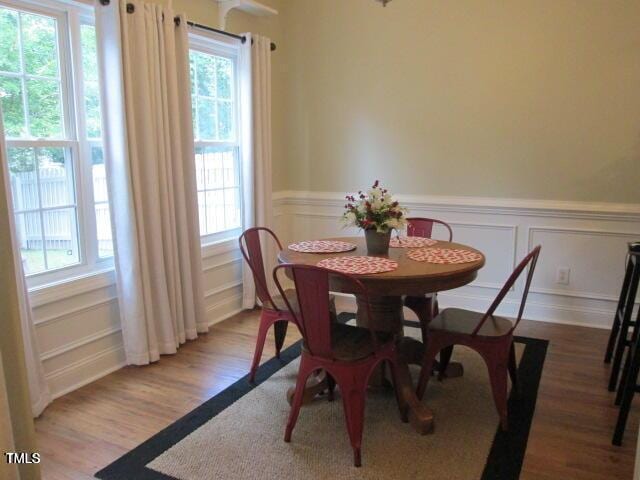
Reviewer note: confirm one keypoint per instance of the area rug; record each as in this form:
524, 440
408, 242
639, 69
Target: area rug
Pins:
238, 434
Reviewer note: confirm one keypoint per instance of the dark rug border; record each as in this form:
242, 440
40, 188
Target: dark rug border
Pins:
499, 465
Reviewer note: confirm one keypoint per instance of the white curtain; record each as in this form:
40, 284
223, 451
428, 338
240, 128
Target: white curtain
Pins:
255, 84
7, 471
38, 388
144, 60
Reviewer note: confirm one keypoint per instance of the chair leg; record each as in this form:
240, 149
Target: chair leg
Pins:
331, 386
513, 369
280, 331
427, 366
445, 358
498, 376
627, 390
303, 373
257, 355
353, 401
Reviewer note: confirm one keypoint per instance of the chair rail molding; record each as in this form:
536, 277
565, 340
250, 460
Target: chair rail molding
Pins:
588, 238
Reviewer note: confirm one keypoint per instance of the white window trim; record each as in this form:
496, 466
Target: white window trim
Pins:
70, 15
221, 45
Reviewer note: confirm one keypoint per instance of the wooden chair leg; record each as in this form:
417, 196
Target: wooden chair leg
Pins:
280, 331
303, 373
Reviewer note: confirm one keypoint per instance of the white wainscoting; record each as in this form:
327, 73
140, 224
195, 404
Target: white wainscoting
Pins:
78, 324
588, 238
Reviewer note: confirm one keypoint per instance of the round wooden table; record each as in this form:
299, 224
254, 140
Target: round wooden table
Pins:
386, 292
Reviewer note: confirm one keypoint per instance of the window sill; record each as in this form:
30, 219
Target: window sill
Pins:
219, 247
71, 287
80, 284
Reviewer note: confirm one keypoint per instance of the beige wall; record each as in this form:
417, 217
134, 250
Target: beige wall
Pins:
517, 98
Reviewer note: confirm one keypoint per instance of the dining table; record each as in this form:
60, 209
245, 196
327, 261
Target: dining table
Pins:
387, 294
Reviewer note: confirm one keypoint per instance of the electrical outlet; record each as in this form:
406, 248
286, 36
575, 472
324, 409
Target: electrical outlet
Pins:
562, 275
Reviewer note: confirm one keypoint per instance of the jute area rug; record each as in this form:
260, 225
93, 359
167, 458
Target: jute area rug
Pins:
238, 434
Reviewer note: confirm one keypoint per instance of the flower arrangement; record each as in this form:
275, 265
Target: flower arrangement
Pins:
374, 210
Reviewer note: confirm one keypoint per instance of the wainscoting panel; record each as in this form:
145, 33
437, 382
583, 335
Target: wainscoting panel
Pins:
78, 323
587, 238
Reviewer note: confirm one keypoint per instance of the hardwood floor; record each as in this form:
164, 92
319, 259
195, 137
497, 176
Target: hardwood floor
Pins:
570, 437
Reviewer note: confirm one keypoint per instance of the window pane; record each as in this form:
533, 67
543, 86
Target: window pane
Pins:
225, 121
215, 211
39, 44
224, 75
91, 84
206, 119
99, 174
9, 53
45, 112
213, 168
200, 168
30, 240
24, 182
206, 74
89, 53
103, 230
12, 106
92, 109
55, 170
231, 170
61, 237
232, 208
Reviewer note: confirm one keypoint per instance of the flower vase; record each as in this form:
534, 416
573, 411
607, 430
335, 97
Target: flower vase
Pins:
377, 243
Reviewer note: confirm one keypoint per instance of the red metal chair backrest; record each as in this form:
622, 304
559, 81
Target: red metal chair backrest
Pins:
423, 227
531, 259
251, 248
313, 317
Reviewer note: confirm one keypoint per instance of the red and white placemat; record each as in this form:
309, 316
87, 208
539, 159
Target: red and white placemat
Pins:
359, 265
443, 255
322, 246
411, 242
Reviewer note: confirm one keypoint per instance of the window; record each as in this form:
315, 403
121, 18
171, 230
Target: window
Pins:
51, 113
214, 95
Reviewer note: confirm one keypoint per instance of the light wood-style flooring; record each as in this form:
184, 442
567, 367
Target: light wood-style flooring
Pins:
570, 438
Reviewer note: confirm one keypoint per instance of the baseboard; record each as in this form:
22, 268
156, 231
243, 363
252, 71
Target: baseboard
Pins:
85, 371
225, 308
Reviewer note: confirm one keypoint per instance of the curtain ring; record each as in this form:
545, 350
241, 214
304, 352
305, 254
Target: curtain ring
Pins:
131, 8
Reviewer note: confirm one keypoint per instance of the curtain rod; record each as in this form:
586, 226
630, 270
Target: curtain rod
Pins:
131, 9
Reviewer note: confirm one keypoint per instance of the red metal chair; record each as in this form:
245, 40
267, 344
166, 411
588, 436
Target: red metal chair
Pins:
349, 355
274, 309
489, 335
423, 227
426, 307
